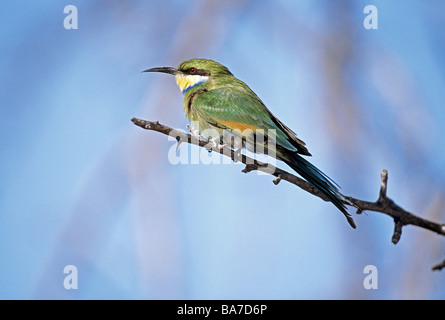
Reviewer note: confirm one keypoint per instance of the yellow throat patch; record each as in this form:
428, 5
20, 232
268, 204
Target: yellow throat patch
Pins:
185, 82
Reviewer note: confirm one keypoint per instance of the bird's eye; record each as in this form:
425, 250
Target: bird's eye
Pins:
192, 70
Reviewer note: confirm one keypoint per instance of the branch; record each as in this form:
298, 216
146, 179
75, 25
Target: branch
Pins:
383, 204
439, 266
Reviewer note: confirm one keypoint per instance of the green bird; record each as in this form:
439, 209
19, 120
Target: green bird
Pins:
217, 100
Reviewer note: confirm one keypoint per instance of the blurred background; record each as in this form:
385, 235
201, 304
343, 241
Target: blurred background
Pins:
81, 185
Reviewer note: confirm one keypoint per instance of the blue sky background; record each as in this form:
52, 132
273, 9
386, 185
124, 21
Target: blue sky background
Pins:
80, 185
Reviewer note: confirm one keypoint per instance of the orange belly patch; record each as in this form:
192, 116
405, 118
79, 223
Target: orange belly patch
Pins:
238, 126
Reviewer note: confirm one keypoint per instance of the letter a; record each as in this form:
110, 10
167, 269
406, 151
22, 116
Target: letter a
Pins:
70, 281
370, 281
371, 20
70, 21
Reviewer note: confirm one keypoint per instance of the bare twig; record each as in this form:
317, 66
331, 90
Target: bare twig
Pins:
383, 204
439, 266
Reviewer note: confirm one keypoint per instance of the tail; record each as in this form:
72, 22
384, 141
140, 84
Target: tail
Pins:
320, 181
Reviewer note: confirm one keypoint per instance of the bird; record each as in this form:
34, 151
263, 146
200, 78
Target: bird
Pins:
215, 99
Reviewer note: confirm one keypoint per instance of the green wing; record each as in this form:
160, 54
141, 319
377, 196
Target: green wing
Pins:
239, 104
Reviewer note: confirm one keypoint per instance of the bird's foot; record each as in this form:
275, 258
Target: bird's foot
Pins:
193, 131
213, 145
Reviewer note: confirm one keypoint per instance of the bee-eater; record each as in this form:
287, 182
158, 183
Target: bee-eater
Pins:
216, 100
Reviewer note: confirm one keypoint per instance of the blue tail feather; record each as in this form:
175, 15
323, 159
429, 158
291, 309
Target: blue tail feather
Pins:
321, 181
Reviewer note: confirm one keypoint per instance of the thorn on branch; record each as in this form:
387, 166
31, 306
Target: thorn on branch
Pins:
383, 187
397, 231
177, 146
439, 266
277, 180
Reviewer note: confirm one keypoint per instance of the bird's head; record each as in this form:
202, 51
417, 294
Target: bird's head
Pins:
194, 71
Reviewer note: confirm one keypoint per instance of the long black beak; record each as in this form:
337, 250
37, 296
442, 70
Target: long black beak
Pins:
168, 70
